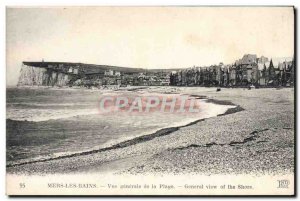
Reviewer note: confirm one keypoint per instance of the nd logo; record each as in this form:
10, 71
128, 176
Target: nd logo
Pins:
283, 183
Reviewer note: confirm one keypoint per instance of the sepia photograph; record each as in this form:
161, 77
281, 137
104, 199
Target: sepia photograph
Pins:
150, 100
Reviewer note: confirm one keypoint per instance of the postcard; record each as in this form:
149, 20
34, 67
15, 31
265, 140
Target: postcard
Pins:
143, 101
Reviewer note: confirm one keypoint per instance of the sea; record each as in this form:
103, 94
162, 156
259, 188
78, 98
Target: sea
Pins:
44, 123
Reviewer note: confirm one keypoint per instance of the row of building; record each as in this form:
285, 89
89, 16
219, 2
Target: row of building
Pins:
112, 77
249, 70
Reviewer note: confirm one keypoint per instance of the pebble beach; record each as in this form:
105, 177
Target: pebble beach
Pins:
258, 137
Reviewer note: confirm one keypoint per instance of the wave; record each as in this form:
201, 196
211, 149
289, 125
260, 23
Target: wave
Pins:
126, 141
50, 104
39, 115
66, 154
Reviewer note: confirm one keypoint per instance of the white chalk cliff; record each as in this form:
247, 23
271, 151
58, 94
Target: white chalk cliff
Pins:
38, 76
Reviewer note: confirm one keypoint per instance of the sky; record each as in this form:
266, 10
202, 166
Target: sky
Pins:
145, 37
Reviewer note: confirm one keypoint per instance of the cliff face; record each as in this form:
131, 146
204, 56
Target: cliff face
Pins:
38, 76
79, 74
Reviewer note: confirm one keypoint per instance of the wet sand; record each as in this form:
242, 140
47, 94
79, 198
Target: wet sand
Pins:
256, 138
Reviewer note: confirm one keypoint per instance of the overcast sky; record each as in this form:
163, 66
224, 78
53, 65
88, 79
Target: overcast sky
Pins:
151, 37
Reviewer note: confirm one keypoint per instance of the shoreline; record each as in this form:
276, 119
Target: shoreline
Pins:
269, 111
139, 139
138, 87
